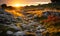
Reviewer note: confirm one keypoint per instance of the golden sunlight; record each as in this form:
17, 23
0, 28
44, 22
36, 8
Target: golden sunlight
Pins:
17, 5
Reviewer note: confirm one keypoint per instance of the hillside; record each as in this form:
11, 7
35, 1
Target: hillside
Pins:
40, 19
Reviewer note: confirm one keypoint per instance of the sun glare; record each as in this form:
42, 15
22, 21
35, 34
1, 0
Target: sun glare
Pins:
17, 5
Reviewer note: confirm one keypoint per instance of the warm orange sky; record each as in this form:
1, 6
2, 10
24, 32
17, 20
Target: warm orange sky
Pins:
24, 2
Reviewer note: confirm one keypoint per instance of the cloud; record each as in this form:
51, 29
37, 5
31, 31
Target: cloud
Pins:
9, 2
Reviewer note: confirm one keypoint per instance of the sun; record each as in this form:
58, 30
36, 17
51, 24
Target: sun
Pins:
17, 5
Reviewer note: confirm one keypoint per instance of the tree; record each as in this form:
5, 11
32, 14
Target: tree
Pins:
55, 1
4, 6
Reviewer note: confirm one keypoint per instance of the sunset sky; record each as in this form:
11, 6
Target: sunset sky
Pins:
24, 2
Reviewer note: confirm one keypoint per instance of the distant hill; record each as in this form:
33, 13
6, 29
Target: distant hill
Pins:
50, 5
